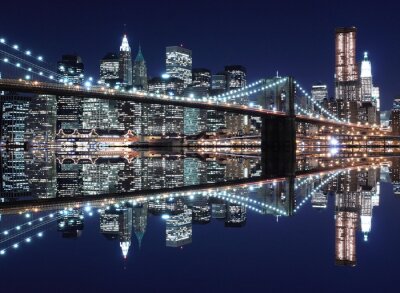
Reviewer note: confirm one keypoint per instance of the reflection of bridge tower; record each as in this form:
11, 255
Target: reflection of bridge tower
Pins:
279, 195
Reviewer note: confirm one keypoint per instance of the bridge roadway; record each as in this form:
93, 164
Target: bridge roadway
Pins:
42, 88
48, 204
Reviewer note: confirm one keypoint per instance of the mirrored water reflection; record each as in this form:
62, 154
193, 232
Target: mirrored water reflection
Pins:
135, 210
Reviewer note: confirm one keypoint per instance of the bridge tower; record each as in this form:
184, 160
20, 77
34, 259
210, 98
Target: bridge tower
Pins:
278, 138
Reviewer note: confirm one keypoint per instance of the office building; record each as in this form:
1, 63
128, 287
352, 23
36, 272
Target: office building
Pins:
179, 63
140, 71
109, 70
235, 76
71, 69
69, 113
125, 63
395, 117
346, 68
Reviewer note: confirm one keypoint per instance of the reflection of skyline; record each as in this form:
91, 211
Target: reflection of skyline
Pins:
356, 192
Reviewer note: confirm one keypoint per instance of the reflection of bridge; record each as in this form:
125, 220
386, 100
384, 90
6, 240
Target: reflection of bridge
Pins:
101, 200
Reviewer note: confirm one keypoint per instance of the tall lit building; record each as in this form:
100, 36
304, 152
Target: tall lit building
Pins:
346, 69
71, 69
201, 77
235, 76
369, 93
395, 117
125, 62
179, 63
109, 70
366, 79
140, 71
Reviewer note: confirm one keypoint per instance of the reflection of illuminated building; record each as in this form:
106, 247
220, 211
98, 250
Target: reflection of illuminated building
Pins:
346, 225
70, 223
117, 223
235, 215
319, 200
13, 113
218, 210
140, 221
42, 176
201, 210
13, 179
179, 229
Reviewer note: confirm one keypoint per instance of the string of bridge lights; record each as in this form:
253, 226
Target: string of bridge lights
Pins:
20, 50
27, 224
16, 245
323, 110
30, 70
323, 182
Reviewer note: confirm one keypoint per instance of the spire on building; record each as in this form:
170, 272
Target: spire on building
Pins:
125, 45
366, 67
139, 56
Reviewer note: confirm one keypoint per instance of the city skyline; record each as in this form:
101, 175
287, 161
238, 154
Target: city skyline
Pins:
286, 59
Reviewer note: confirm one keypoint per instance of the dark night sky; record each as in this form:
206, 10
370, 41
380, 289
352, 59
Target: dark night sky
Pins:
294, 37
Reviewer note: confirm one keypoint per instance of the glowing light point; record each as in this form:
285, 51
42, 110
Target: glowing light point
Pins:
15, 47
28, 53
2, 41
40, 234
3, 252
40, 58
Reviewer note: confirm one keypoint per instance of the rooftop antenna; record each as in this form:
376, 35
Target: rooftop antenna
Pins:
277, 73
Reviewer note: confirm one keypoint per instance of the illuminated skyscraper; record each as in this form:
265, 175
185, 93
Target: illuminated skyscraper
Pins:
109, 69
366, 79
395, 117
179, 63
125, 62
140, 71
201, 77
346, 69
235, 76
71, 68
